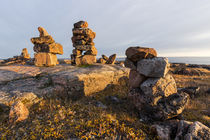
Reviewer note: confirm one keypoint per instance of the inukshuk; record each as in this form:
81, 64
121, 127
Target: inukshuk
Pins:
24, 58
45, 49
84, 51
152, 89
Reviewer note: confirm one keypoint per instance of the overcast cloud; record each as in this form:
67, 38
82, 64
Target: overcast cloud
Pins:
172, 27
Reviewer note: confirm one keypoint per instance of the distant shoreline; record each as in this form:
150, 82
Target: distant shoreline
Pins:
185, 60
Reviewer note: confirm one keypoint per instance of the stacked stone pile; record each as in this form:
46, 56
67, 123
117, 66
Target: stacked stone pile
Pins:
45, 49
107, 60
84, 51
21, 59
152, 89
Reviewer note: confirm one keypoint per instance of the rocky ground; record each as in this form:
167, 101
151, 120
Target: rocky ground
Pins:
58, 108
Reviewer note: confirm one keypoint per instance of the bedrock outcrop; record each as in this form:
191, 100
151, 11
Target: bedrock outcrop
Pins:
30, 83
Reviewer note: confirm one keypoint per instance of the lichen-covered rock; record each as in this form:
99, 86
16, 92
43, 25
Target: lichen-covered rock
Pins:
84, 31
137, 53
45, 59
101, 60
18, 112
42, 32
197, 131
93, 51
173, 105
135, 79
105, 57
85, 60
84, 47
156, 67
54, 48
29, 83
111, 59
81, 24
158, 109
43, 40
129, 64
159, 87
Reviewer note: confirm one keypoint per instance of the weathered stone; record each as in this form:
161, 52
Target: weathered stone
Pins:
76, 52
102, 61
64, 81
54, 48
197, 131
84, 31
156, 67
45, 59
81, 24
182, 129
25, 54
84, 47
173, 105
105, 57
135, 79
18, 112
82, 37
137, 53
88, 59
42, 32
129, 64
111, 59
43, 40
162, 109
159, 87
93, 51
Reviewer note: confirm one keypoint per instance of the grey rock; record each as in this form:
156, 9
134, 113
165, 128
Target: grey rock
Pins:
159, 87
197, 131
64, 81
155, 67
129, 64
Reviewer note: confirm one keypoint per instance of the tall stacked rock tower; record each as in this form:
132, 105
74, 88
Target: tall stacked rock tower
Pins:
45, 49
152, 89
83, 42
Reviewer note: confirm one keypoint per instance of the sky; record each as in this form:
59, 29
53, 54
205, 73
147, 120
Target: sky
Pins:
172, 27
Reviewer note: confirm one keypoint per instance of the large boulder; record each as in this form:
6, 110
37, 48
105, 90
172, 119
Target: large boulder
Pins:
172, 105
156, 88
29, 83
156, 67
137, 53
158, 109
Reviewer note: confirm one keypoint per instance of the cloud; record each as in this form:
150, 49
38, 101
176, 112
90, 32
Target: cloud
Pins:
172, 27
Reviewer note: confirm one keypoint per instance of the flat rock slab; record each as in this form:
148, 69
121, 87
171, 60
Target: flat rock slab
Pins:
62, 80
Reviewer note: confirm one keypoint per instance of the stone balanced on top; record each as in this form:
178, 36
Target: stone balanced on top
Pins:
152, 89
83, 42
45, 49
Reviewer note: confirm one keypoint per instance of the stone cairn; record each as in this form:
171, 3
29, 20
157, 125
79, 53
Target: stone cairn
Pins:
45, 49
21, 59
152, 89
83, 42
